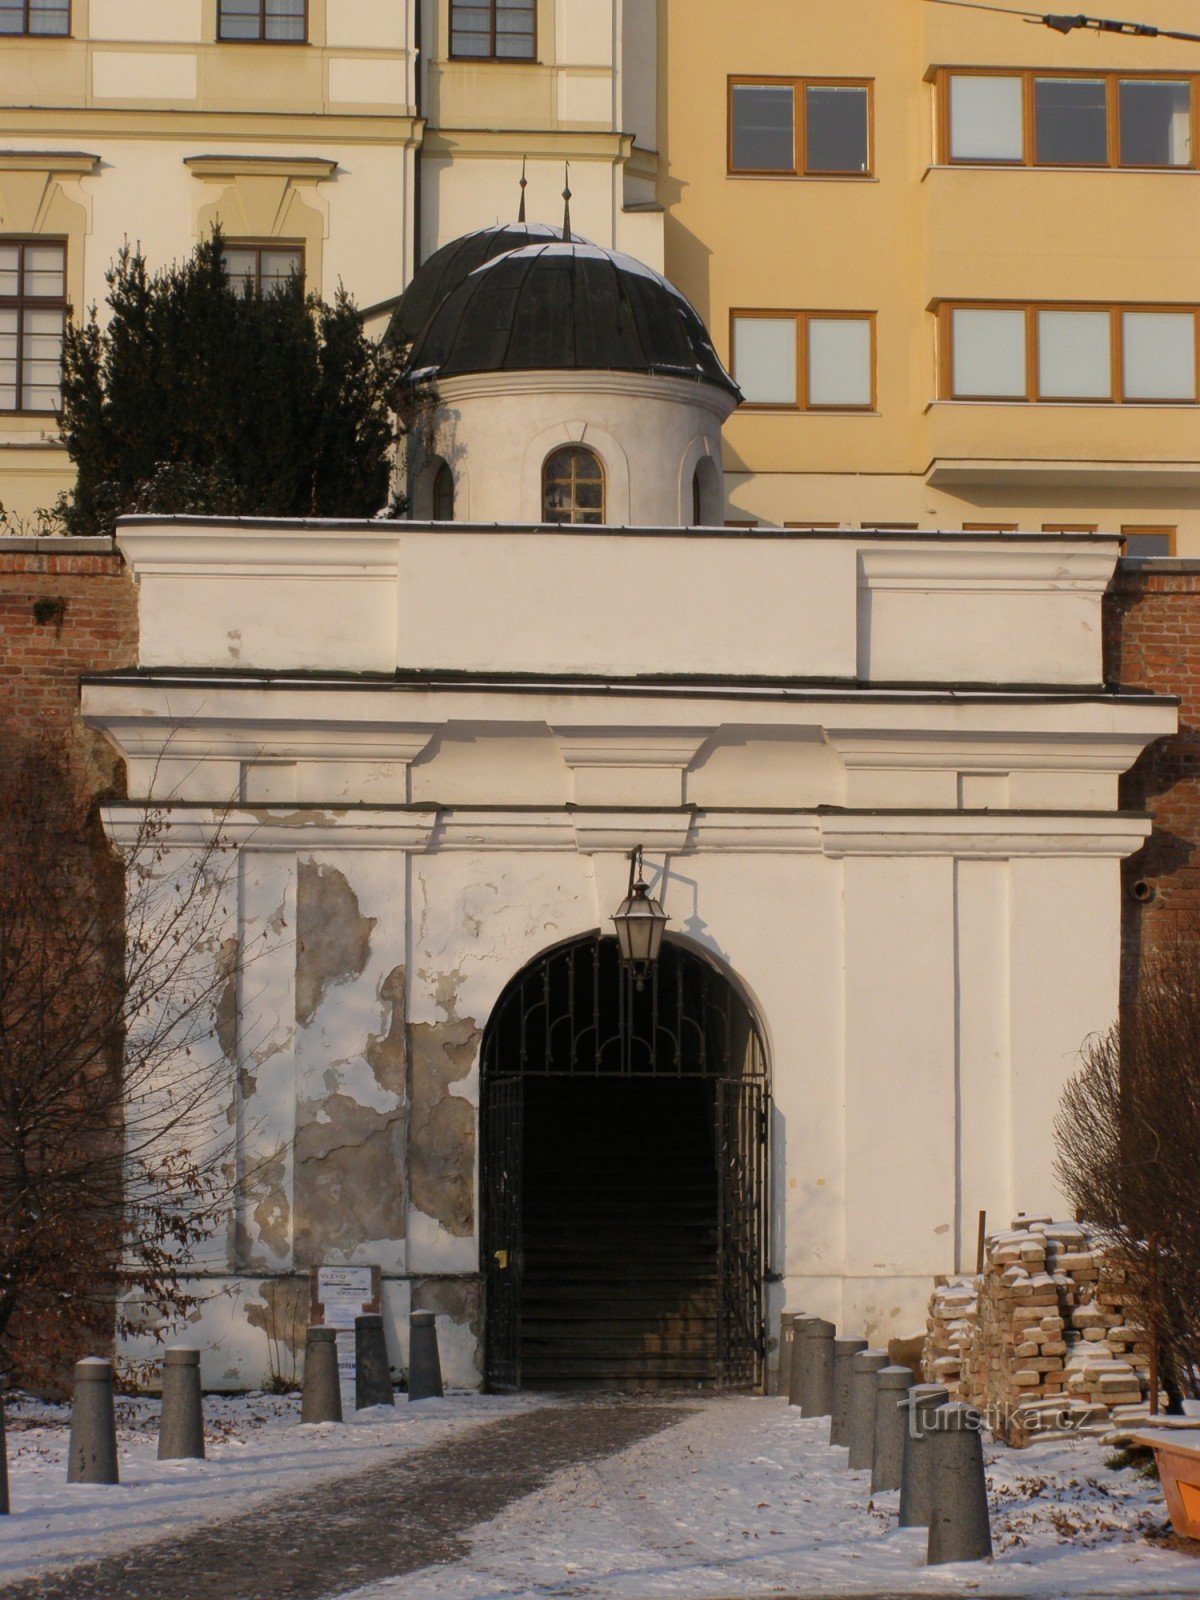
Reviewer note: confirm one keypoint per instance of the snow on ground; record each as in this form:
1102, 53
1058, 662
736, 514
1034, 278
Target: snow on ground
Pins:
746, 1498
255, 1449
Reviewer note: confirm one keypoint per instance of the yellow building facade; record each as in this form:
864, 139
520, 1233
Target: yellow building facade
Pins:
952, 258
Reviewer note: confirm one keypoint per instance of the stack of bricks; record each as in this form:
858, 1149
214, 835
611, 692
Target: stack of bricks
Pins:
1040, 1340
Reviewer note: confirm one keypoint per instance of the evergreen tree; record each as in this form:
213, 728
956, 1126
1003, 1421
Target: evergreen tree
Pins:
197, 396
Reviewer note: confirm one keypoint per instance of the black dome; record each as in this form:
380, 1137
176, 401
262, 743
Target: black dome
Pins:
566, 307
447, 267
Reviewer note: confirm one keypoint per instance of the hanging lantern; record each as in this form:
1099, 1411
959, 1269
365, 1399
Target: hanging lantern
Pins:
640, 921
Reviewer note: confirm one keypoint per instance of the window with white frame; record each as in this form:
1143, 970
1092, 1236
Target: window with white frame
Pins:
1084, 353
805, 360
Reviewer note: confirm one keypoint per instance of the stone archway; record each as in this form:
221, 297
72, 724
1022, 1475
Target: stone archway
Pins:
624, 1175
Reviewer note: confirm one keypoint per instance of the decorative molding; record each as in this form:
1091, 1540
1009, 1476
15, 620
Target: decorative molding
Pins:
221, 168
58, 162
993, 835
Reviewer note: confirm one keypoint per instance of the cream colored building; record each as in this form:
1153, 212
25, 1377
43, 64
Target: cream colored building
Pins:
347, 137
952, 258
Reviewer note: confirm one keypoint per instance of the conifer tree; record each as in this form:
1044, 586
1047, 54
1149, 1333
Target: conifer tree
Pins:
199, 396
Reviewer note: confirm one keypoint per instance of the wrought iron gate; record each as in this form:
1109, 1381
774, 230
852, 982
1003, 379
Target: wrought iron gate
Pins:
743, 1112
575, 1012
502, 1259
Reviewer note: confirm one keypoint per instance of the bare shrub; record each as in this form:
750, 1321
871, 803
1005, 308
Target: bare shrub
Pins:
1128, 1137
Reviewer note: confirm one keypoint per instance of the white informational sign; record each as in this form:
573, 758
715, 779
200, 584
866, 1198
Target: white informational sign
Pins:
344, 1293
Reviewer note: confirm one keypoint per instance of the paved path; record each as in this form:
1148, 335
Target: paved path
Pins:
356, 1530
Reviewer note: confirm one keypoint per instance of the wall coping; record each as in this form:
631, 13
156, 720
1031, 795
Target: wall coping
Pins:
62, 545
1159, 565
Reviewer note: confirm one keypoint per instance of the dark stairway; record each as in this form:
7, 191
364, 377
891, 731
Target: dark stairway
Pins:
619, 1209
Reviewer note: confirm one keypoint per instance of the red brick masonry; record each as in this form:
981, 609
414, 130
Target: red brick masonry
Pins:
67, 606
1152, 641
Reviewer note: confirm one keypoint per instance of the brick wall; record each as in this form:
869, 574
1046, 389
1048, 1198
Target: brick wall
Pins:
67, 606
1152, 641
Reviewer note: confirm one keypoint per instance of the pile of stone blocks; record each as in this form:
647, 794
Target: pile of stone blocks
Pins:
1041, 1339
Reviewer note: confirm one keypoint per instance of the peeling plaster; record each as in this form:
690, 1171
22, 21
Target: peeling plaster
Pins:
387, 1053
272, 1211
226, 1019
459, 1300
349, 1178
333, 938
282, 1312
442, 1136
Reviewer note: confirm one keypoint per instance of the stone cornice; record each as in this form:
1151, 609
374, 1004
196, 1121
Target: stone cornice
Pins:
429, 829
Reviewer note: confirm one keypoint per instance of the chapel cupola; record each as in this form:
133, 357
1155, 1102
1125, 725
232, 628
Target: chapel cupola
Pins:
572, 384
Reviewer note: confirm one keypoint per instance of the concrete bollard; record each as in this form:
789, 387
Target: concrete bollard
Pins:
372, 1374
321, 1395
92, 1456
796, 1370
181, 1420
959, 1526
816, 1370
424, 1364
844, 1351
891, 1414
786, 1347
917, 1463
863, 1368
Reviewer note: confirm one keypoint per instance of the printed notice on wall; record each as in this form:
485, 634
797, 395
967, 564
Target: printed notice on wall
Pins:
344, 1293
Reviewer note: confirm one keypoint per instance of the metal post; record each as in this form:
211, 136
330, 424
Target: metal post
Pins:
92, 1455
959, 1525
844, 1351
321, 1395
372, 1374
887, 1457
181, 1420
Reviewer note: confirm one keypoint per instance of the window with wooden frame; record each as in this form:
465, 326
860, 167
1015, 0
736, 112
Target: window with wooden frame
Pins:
812, 527
990, 527
33, 312
263, 21
805, 360
1068, 119
493, 30
1069, 354
1147, 540
260, 268
800, 127
573, 486
1070, 527
51, 17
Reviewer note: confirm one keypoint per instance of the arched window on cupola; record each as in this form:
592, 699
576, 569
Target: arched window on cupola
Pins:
573, 486
443, 494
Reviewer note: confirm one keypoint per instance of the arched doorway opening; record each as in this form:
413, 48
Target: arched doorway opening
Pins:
623, 1175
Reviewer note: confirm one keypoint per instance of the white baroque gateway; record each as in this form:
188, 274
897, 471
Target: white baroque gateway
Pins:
874, 776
